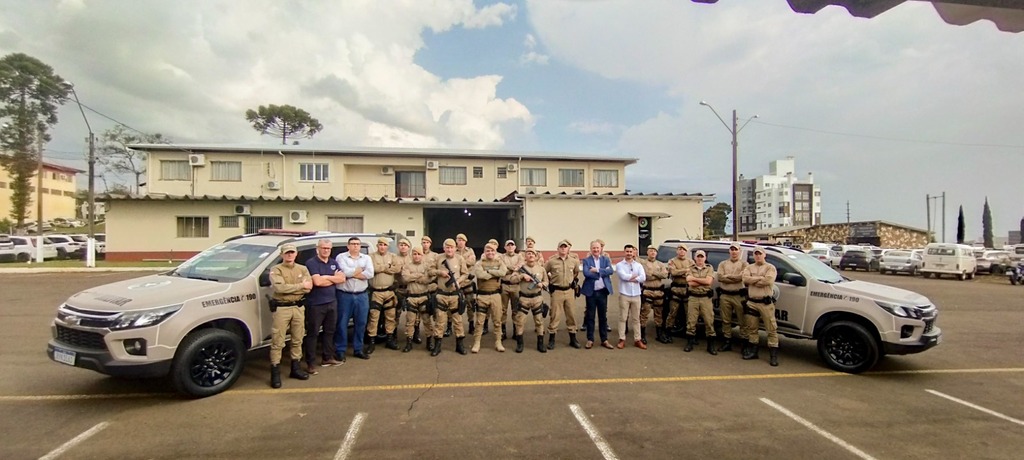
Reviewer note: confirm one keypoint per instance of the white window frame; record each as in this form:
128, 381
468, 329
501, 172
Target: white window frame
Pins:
606, 178
225, 171
451, 175
566, 177
175, 170
533, 177
314, 172
193, 226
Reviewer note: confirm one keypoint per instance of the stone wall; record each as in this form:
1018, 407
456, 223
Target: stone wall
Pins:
888, 236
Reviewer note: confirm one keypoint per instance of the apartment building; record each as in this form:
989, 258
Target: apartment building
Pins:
58, 192
778, 199
197, 195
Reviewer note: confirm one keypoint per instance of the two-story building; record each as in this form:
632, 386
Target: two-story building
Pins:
58, 192
197, 195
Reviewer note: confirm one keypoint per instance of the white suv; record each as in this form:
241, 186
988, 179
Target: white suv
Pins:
66, 247
854, 322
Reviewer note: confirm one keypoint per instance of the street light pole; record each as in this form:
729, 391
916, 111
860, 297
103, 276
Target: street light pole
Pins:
90, 258
734, 130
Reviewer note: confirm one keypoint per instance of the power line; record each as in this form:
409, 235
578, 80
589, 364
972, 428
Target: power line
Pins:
894, 139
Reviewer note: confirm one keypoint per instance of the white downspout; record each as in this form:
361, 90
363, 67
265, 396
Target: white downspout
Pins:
283, 175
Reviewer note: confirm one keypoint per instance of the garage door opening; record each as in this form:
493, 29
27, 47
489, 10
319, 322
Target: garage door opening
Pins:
479, 225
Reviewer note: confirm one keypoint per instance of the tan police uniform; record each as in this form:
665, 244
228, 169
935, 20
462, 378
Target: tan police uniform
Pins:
653, 296
531, 244
731, 296
383, 298
488, 274
417, 279
291, 314
563, 273
510, 285
468, 289
678, 269
448, 297
531, 302
759, 279
699, 304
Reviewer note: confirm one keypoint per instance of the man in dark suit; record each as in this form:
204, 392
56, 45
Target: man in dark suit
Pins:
597, 285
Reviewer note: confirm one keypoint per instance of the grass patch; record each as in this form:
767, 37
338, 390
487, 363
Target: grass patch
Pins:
81, 264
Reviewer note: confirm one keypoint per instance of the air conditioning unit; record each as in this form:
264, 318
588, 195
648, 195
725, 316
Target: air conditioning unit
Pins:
196, 159
298, 216
243, 209
529, 189
432, 164
273, 185
387, 170
512, 167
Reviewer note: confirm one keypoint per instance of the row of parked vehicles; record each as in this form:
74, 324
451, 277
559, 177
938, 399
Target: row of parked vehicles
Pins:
936, 259
55, 247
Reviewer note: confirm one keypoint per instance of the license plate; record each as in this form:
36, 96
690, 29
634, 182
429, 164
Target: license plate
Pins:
64, 356
940, 265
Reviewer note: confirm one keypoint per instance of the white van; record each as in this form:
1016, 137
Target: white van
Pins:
949, 259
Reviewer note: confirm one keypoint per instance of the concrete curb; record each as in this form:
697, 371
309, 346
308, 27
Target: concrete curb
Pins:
83, 269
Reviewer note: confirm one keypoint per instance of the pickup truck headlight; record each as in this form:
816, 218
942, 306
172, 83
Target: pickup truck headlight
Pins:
143, 318
900, 310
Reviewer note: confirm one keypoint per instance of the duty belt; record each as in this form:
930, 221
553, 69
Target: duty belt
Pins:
382, 289
487, 292
560, 288
279, 305
451, 293
527, 295
708, 294
509, 283
679, 285
760, 300
653, 288
727, 292
416, 296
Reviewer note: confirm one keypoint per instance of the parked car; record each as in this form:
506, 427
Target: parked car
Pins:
994, 262
897, 261
949, 259
30, 227
23, 249
826, 256
862, 259
83, 241
66, 247
64, 222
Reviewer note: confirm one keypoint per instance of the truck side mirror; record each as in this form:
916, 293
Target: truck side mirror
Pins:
265, 278
795, 279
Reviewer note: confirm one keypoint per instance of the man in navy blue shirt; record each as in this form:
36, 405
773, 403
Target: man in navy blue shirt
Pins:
322, 306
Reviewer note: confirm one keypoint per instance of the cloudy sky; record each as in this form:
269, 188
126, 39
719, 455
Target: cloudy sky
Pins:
883, 111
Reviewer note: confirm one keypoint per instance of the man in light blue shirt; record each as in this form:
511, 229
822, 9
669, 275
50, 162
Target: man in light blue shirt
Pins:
631, 279
353, 301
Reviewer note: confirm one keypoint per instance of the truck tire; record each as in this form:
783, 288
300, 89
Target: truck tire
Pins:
208, 362
62, 254
848, 347
24, 257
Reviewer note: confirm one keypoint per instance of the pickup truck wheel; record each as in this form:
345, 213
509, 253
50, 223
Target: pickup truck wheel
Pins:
208, 362
24, 257
848, 347
62, 254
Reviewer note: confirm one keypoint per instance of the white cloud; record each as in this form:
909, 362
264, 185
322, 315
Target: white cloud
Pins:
530, 56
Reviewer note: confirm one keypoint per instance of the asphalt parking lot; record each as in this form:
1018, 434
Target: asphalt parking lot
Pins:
961, 399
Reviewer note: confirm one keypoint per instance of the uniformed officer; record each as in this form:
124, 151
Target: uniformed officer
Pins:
404, 253
653, 297
759, 278
531, 244
469, 289
291, 282
563, 271
531, 302
678, 269
699, 287
383, 299
731, 296
416, 275
510, 283
429, 258
452, 274
488, 271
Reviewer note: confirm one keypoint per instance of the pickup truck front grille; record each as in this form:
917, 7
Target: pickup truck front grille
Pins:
80, 339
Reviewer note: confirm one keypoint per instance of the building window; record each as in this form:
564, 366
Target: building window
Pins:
193, 226
69, 194
254, 224
410, 184
314, 172
54, 191
226, 171
478, 172
570, 178
534, 177
228, 221
345, 224
175, 170
502, 172
452, 175
606, 178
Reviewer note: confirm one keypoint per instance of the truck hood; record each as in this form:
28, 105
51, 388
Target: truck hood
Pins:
882, 292
144, 293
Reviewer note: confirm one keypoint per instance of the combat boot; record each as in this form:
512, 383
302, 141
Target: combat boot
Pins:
773, 356
690, 343
711, 346
476, 344
726, 344
448, 329
416, 336
392, 343
659, 334
369, 342
668, 334
275, 376
437, 347
487, 325
297, 372
540, 344
504, 335
458, 346
573, 342
497, 343
751, 352
408, 345
551, 341
472, 324
519, 343
430, 343
643, 335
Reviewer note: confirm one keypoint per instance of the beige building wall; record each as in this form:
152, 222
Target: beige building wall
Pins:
581, 220
59, 186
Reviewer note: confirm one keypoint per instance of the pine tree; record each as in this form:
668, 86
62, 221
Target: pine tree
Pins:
986, 225
960, 229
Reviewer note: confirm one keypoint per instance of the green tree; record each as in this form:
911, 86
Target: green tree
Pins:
960, 229
715, 219
115, 156
1022, 229
30, 93
986, 225
283, 121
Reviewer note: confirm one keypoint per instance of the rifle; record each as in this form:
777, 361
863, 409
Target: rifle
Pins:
524, 271
451, 275
575, 285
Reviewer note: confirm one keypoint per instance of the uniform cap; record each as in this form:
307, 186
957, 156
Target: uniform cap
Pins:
734, 245
564, 243
417, 250
493, 245
449, 242
493, 241
530, 238
384, 240
531, 250
405, 242
652, 247
700, 253
427, 239
288, 247
758, 249
683, 247
461, 236
513, 243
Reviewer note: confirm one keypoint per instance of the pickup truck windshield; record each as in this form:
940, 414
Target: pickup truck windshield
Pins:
224, 263
814, 268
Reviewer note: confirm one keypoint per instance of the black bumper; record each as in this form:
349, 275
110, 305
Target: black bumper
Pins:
101, 361
926, 342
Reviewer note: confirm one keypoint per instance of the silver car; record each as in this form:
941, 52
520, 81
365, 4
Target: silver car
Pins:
826, 256
899, 261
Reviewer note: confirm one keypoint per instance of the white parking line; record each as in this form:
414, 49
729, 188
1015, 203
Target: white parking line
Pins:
350, 437
595, 435
74, 442
975, 406
814, 428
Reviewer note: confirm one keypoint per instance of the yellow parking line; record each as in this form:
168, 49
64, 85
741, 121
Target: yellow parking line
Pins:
513, 383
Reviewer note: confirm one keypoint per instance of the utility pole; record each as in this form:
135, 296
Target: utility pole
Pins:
847, 212
928, 204
943, 217
90, 245
39, 197
734, 130
928, 213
